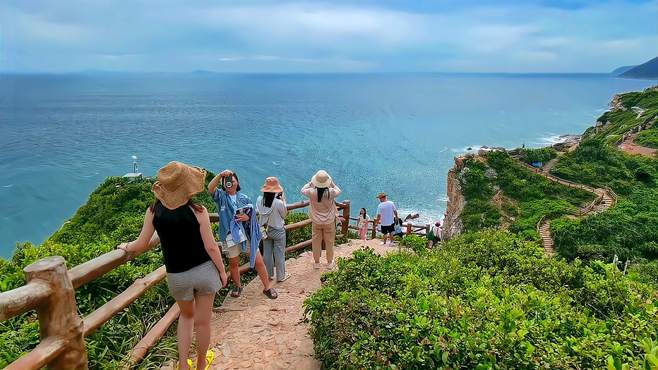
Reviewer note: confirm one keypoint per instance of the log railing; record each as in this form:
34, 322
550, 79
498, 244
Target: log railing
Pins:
408, 228
50, 290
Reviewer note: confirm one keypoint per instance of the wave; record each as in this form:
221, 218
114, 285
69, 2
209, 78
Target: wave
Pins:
467, 149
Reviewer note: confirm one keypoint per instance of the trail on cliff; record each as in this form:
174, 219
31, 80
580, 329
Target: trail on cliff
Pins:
605, 198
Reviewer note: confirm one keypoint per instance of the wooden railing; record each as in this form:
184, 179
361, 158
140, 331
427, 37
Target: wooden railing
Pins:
50, 290
408, 228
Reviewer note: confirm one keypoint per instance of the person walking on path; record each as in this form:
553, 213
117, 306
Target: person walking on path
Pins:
362, 225
195, 269
322, 193
238, 228
386, 216
272, 211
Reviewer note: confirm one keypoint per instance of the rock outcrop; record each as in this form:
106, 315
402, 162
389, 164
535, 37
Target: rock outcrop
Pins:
452, 223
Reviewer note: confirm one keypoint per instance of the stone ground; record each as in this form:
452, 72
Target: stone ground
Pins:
253, 332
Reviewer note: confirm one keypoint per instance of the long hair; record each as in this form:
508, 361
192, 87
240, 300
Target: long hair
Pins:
321, 192
363, 213
268, 198
157, 207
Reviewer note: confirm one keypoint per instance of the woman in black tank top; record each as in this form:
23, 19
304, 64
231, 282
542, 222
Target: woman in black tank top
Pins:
195, 269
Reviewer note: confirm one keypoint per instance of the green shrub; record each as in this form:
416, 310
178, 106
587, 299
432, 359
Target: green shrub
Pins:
484, 300
648, 138
542, 155
416, 243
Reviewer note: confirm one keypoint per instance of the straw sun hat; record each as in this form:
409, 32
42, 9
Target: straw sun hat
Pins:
272, 185
381, 195
177, 183
321, 179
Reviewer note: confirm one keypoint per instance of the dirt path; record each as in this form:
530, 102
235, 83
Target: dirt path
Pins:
253, 332
629, 146
605, 198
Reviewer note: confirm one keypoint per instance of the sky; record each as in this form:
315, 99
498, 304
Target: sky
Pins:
326, 36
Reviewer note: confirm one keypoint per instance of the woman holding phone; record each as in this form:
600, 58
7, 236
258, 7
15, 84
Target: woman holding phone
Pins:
238, 229
322, 193
272, 211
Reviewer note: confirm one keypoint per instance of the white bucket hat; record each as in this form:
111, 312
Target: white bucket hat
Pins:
321, 179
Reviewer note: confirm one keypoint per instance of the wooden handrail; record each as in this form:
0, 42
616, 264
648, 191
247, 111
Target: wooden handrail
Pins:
22, 299
99, 266
104, 313
66, 351
40, 356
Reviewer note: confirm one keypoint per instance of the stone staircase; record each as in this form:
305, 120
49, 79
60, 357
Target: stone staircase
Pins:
546, 238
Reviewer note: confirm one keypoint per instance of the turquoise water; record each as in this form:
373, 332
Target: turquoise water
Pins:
62, 135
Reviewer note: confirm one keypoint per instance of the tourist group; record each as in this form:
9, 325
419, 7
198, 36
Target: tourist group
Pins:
193, 258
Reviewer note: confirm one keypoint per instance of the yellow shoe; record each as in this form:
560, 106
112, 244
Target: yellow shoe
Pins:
210, 357
190, 364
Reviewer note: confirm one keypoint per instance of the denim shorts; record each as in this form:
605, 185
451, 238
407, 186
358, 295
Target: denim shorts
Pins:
199, 280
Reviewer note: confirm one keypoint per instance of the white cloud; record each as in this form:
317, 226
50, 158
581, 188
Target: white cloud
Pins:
322, 36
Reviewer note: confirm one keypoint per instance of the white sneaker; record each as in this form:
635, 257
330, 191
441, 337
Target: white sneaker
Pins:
316, 265
331, 265
382, 243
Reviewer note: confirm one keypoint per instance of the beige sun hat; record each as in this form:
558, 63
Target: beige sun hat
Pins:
271, 185
321, 179
381, 195
177, 182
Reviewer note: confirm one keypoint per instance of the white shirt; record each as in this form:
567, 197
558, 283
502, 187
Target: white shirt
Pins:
386, 211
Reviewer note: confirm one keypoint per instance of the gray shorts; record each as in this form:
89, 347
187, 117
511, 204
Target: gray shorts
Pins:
199, 280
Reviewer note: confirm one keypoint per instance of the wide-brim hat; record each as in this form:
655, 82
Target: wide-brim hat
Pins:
381, 195
272, 185
321, 179
177, 182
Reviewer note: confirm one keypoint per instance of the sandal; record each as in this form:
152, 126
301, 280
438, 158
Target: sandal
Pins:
235, 293
270, 293
210, 357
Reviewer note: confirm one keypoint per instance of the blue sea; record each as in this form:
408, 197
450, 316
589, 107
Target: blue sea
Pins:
62, 135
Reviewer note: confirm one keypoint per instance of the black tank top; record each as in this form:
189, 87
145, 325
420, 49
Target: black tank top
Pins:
180, 238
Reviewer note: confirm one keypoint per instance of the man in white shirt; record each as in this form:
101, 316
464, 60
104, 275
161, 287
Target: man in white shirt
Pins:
386, 215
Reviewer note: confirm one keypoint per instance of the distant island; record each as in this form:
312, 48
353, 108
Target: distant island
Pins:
645, 70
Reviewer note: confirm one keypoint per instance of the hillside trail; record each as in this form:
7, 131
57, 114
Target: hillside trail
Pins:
629, 146
605, 198
253, 332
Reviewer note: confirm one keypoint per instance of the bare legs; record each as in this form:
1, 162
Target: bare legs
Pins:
202, 327
185, 325
234, 264
194, 314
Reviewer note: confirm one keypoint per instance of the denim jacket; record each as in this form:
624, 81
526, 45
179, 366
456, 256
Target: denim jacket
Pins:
226, 210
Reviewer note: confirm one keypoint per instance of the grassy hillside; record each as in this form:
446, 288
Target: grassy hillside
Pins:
500, 192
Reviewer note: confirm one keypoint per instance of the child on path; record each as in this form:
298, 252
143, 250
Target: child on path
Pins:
362, 225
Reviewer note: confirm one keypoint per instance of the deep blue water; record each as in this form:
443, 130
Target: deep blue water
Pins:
62, 135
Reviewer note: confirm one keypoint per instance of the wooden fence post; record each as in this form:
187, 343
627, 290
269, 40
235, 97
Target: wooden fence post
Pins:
427, 230
408, 228
58, 315
346, 218
374, 229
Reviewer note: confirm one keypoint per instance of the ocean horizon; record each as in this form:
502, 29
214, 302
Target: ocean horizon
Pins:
61, 135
